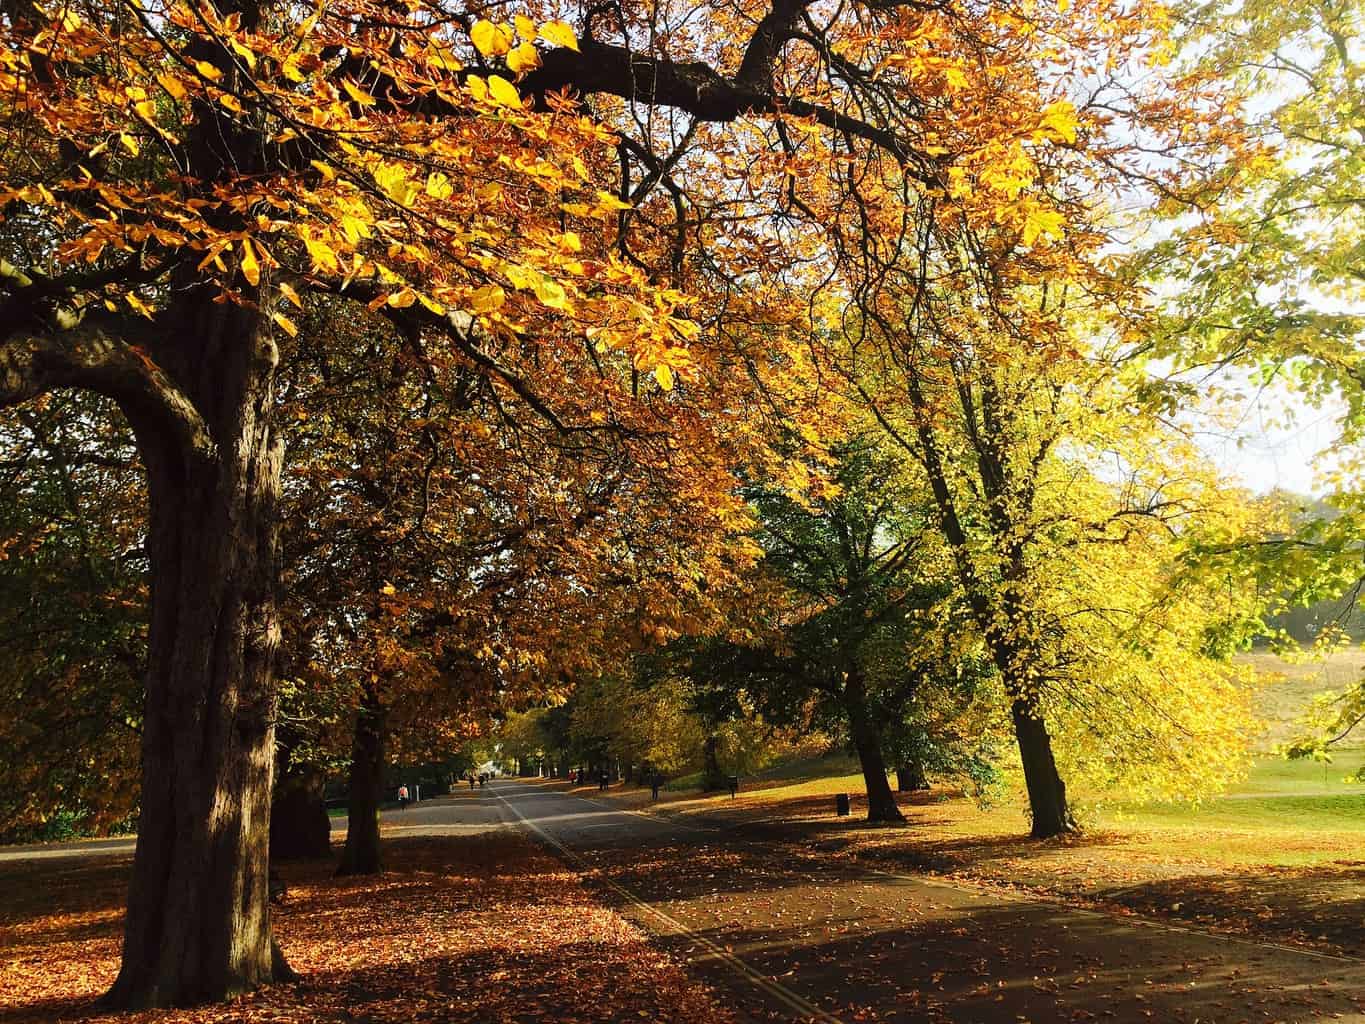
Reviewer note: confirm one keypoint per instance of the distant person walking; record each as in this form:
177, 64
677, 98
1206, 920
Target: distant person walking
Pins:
402, 798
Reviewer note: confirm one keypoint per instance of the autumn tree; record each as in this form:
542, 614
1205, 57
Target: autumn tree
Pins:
172, 175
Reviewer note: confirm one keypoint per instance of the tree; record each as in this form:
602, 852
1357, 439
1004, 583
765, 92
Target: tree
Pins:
1272, 280
847, 631
72, 593
184, 170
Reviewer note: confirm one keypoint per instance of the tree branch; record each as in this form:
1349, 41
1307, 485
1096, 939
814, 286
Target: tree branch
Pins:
96, 356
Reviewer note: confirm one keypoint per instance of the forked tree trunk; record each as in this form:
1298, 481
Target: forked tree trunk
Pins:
1046, 790
198, 922
881, 802
361, 855
910, 777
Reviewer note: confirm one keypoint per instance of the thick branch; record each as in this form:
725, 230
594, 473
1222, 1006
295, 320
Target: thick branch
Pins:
694, 87
95, 356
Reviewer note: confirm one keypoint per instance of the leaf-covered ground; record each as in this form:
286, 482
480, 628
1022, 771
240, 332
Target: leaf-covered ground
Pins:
482, 928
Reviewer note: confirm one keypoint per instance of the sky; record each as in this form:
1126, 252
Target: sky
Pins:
1275, 444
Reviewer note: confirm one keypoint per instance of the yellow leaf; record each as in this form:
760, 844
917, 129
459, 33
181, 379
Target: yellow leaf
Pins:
288, 292
230, 101
504, 93
145, 110
487, 298
477, 87
560, 33
251, 270
129, 143
208, 70
322, 255
526, 28
402, 299
285, 323
324, 169
551, 293
173, 86
489, 39
439, 186
291, 68
244, 52
138, 305
664, 376
1060, 120
523, 58
431, 304
356, 93
1047, 223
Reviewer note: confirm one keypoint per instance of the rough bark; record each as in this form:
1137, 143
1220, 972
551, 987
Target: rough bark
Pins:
198, 922
361, 854
910, 777
1046, 790
881, 802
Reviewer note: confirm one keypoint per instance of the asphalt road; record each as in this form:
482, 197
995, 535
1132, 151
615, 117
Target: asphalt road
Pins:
792, 934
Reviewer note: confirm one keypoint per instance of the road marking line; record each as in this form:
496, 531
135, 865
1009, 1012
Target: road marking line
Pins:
775, 989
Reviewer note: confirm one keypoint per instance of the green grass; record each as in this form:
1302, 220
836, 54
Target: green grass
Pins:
1286, 688
1275, 776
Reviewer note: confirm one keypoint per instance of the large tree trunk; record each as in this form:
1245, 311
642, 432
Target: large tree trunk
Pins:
361, 855
299, 826
881, 802
910, 777
1046, 790
198, 922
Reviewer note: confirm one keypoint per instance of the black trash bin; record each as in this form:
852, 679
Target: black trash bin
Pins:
841, 805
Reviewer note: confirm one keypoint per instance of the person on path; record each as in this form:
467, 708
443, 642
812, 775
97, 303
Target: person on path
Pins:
403, 798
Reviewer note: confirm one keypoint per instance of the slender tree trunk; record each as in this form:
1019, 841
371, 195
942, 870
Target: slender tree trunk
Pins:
881, 802
198, 922
361, 854
1046, 790
711, 775
910, 777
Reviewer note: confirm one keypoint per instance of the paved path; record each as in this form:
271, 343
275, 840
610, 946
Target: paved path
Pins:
794, 936
461, 813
